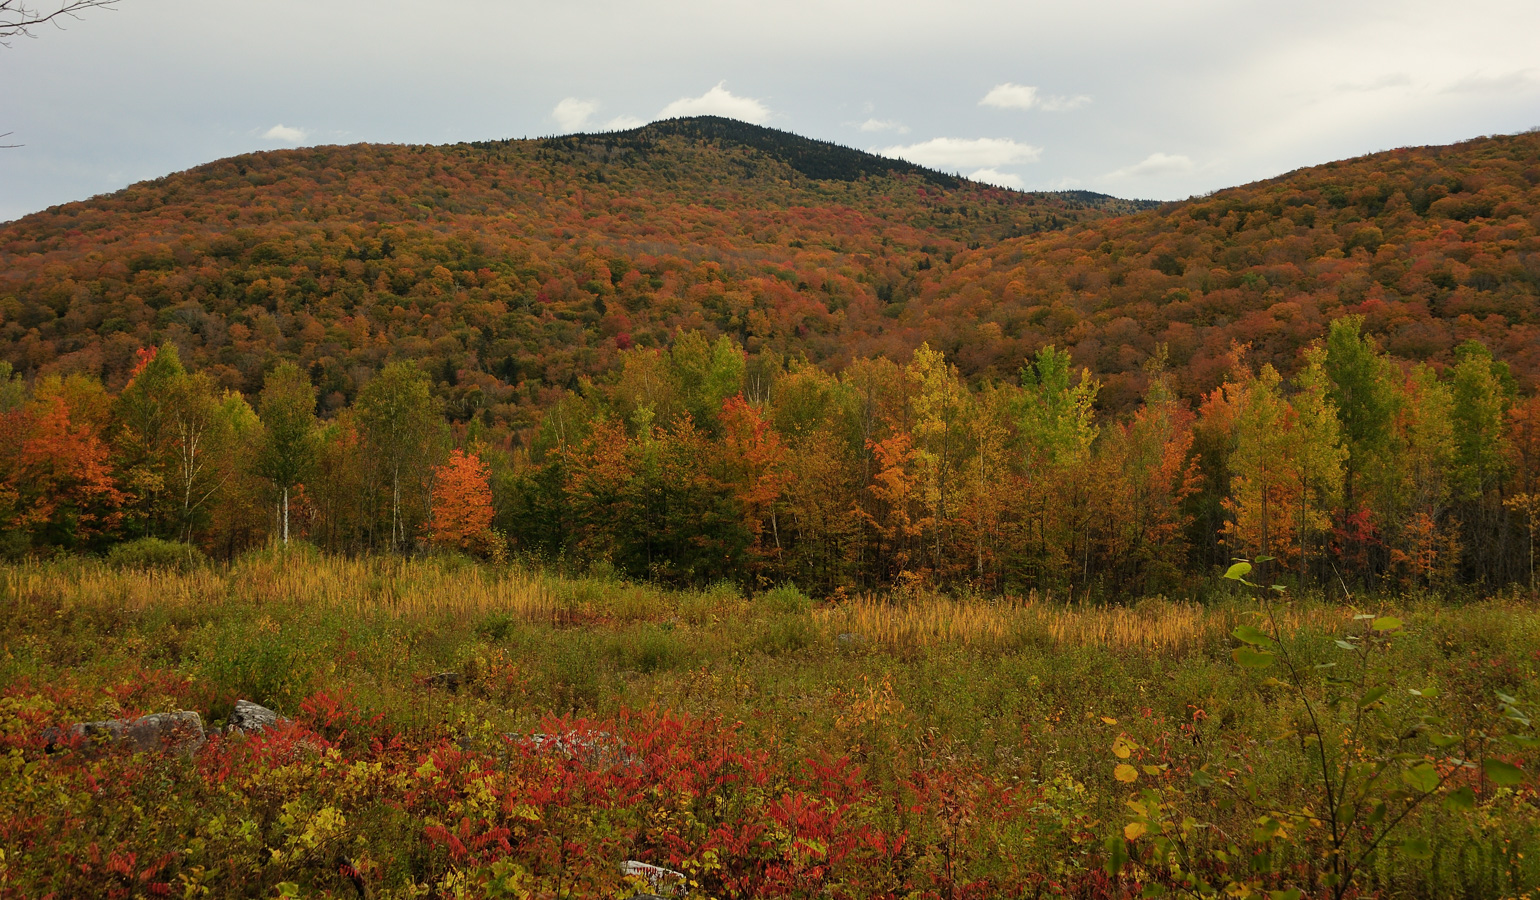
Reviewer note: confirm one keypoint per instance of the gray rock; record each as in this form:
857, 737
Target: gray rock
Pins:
449, 681
660, 881
850, 637
181, 731
595, 749
251, 717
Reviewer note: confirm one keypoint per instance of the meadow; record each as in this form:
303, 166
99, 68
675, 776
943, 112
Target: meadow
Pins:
904, 745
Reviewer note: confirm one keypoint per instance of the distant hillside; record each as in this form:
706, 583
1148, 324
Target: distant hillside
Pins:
511, 269
1432, 245
514, 269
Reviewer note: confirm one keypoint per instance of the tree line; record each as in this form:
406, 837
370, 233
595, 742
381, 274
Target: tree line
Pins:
701, 462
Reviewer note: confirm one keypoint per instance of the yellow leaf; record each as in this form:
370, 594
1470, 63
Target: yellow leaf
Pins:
1109, 720
1121, 747
1126, 773
1133, 830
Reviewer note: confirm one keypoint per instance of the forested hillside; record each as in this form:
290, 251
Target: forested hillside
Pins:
703, 350
507, 269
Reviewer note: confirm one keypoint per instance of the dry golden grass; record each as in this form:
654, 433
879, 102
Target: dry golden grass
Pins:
398, 587
1154, 625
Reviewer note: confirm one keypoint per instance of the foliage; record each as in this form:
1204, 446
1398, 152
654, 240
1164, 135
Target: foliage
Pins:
154, 553
943, 747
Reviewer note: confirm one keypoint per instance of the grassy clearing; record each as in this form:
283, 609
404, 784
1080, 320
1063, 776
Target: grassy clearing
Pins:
1002, 712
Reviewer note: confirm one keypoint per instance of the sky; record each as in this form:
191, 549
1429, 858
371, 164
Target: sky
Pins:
1137, 98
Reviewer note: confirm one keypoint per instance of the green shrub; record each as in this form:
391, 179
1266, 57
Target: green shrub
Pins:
155, 553
649, 649
786, 634
786, 600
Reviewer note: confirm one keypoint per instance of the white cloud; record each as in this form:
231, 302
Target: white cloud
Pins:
1010, 96
997, 177
1021, 96
1062, 104
883, 125
718, 102
623, 123
572, 114
955, 154
284, 133
1155, 164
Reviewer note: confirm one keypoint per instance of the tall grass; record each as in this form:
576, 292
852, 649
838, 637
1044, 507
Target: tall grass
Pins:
1153, 625
406, 588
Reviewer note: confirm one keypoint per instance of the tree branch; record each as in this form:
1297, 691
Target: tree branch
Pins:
17, 17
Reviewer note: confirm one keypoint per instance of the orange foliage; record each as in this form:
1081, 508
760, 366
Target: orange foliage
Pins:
462, 502
58, 475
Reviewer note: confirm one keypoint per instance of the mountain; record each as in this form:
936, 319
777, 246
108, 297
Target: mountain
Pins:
514, 269
1433, 246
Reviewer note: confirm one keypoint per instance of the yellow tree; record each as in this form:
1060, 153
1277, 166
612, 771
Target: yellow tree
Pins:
1316, 454
1263, 489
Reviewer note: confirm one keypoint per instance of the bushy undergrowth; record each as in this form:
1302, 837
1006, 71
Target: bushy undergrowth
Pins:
922, 747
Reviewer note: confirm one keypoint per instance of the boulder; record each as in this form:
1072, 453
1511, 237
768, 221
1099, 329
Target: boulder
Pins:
449, 681
251, 717
660, 881
181, 731
595, 749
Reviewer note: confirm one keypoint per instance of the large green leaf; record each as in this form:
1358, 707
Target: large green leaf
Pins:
1417, 848
1386, 623
1254, 636
1117, 855
1238, 571
1461, 798
1422, 777
1252, 659
1502, 773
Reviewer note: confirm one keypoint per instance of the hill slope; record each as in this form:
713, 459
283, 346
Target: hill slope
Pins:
513, 267
1432, 245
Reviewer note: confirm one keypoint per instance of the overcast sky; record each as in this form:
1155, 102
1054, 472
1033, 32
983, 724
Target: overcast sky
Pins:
1137, 98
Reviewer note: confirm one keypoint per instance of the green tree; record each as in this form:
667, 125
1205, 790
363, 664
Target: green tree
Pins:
287, 410
1481, 457
1362, 388
402, 429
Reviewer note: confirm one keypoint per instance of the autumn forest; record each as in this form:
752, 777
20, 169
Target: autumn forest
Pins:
705, 350
704, 511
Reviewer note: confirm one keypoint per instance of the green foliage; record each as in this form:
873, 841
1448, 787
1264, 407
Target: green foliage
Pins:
884, 766
155, 553
1373, 753
785, 600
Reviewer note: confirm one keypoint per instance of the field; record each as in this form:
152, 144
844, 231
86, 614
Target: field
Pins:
910, 745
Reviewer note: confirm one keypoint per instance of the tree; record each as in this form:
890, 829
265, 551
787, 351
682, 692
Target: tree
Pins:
143, 437
401, 425
1481, 456
287, 410
18, 17
462, 502
1362, 389
56, 485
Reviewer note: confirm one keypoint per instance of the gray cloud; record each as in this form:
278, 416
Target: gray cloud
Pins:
162, 85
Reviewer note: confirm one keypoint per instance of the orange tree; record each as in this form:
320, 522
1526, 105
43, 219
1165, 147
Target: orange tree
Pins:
462, 503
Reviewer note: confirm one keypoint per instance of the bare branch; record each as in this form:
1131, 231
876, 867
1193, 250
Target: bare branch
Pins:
18, 17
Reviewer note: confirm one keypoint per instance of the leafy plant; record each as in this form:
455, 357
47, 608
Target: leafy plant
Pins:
1371, 753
